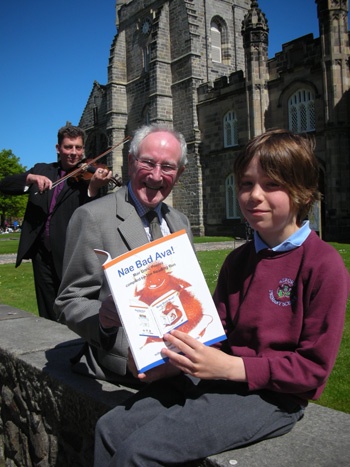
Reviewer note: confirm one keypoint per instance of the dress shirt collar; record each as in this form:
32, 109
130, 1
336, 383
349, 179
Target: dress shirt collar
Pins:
140, 208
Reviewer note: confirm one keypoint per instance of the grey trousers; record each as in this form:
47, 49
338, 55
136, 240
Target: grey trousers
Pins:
182, 419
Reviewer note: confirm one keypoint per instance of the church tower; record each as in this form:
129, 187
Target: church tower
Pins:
255, 33
334, 39
164, 50
202, 67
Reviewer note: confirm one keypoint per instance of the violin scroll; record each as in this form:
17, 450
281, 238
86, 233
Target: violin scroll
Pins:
117, 181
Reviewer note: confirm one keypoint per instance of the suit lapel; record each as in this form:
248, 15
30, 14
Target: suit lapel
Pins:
133, 231
65, 192
130, 224
172, 221
130, 227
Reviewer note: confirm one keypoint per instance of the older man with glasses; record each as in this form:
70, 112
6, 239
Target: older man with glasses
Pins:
129, 218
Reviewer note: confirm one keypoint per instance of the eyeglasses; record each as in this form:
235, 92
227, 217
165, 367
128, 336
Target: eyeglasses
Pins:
149, 165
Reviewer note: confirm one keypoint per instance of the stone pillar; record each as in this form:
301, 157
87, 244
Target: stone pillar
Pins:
333, 25
255, 43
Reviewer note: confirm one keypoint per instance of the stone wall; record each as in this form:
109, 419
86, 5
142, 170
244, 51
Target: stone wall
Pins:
48, 413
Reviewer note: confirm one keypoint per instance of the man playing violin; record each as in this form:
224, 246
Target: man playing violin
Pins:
43, 234
117, 223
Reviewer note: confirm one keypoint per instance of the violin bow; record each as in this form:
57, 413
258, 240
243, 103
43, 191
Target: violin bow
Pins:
84, 166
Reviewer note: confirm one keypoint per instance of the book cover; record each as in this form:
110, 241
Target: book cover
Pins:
159, 287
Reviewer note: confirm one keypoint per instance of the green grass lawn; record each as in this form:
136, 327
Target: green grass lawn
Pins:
17, 290
9, 243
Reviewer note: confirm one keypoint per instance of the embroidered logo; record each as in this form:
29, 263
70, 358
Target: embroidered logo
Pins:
283, 295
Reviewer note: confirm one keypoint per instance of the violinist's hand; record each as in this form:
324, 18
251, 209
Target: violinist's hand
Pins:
166, 370
43, 182
100, 178
108, 314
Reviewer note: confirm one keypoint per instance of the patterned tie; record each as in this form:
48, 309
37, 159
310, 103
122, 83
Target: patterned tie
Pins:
154, 226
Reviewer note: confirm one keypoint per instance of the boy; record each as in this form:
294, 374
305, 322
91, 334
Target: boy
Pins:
282, 300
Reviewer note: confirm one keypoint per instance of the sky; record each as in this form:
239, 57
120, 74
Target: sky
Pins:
53, 51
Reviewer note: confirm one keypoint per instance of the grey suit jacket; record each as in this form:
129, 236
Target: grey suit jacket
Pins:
111, 224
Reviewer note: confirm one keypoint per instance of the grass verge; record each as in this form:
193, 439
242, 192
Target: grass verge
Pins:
17, 290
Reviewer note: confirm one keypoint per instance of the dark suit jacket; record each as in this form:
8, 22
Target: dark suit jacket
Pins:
37, 211
111, 224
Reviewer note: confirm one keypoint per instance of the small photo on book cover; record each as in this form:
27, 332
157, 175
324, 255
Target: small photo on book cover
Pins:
163, 315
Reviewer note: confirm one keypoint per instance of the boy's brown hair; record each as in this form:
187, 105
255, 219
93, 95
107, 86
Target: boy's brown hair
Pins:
289, 160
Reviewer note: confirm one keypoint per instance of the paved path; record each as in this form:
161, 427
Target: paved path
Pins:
231, 245
7, 259
219, 245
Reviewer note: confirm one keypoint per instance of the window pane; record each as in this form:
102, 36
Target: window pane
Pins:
230, 129
231, 198
302, 111
215, 43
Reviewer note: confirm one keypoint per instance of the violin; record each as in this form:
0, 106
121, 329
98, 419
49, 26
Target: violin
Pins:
88, 171
89, 167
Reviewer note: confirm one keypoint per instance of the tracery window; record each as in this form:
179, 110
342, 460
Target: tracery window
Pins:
232, 208
230, 129
301, 110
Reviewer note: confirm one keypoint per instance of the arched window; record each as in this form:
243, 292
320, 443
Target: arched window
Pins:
146, 57
146, 115
301, 110
215, 32
232, 209
230, 129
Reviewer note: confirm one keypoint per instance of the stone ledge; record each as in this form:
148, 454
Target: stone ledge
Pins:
320, 439
48, 413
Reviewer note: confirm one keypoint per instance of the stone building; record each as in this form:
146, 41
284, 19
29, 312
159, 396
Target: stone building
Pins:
202, 66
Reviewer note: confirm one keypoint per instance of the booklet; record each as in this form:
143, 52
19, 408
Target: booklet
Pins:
159, 287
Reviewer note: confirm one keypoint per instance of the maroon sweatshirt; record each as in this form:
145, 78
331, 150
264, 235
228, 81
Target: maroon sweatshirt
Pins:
284, 314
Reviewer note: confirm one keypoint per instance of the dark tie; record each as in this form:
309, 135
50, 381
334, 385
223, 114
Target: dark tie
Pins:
56, 192
154, 226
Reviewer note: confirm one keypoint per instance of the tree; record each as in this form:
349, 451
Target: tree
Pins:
11, 206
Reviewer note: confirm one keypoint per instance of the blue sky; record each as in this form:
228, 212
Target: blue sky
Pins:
52, 52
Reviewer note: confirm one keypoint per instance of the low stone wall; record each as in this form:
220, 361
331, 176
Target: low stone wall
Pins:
48, 413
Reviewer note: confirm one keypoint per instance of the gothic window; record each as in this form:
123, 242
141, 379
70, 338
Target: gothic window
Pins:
232, 209
230, 130
215, 31
95, 114
146, 58
301, 109
220, 46
146, 115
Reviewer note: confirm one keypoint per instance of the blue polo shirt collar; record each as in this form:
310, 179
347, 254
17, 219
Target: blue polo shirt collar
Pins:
294, 241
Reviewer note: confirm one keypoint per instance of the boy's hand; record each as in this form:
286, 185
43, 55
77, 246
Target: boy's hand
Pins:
202, 361
166, 370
